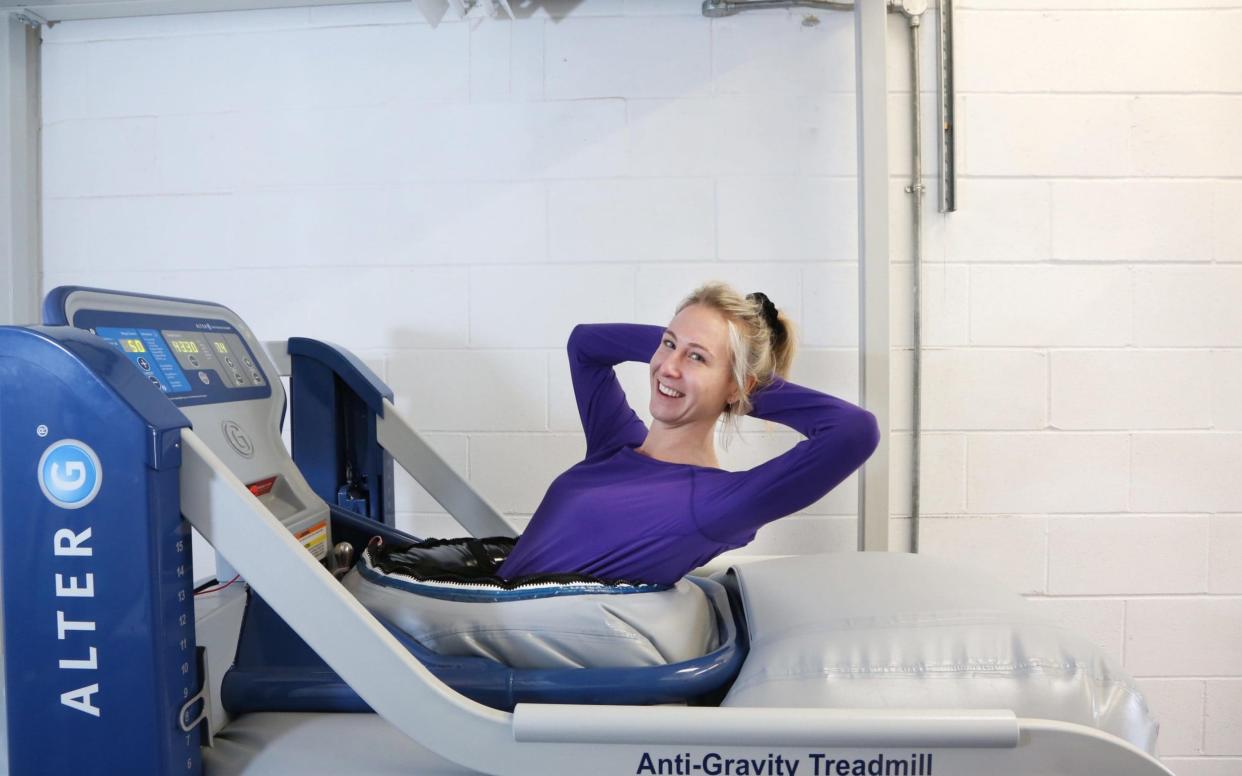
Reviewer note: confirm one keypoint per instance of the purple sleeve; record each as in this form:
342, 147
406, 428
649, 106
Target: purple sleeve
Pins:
840, 438
594, 348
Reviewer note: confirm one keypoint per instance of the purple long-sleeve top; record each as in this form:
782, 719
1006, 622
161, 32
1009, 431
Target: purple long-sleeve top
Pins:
620, 514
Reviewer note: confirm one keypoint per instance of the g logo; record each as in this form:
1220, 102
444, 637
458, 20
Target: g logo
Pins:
237, 439
70, 474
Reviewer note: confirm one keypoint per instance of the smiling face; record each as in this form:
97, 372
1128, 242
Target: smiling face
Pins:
694, 361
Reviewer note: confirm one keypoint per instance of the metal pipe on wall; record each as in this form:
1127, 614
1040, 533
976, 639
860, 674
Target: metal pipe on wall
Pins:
718, 8
914, 11
916, 188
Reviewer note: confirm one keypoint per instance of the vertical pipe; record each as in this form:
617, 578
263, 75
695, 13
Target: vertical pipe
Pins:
948, 164
19, 169
870, 62
916, 270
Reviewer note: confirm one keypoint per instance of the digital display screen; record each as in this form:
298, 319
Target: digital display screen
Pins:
147, 350
221, 347
184, 346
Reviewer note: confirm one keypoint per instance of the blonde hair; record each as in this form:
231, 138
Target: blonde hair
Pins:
758, 354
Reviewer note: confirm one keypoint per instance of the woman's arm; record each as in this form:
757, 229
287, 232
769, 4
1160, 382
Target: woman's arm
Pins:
840, 438
594, 348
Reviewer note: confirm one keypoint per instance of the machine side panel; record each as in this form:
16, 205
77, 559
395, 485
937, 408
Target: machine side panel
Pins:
99, 627
336, 402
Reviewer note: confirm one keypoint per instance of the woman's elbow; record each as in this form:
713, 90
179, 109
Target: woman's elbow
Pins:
577, 345
866, 435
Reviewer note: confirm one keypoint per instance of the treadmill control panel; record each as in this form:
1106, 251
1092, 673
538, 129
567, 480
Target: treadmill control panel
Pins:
208, 363
192, 360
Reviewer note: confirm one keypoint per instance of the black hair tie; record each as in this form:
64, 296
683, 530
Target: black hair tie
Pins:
769, 314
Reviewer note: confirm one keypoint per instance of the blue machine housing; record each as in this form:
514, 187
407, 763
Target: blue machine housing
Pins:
96, 560
335, 402
276, 671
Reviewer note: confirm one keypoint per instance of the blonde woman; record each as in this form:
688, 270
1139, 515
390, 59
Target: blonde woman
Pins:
651, 505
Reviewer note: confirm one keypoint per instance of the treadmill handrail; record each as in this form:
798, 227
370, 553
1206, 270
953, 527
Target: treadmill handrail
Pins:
320, 610
688, 726
278, 352
467, 506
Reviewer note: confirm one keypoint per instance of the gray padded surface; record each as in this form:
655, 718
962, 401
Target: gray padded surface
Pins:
897, 630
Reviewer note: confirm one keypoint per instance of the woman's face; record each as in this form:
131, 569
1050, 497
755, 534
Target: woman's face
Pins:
693, 359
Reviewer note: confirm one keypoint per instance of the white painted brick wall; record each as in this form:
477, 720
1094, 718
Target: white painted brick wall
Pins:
781, 218
1154, 625
450, 201
1099, 229
1188, 306
632, 220
1137, 389
1177, 471
627, 57
1223, 717
1145, 554
1179, 702
1041, 471
1226, 226
1224, 549
987, 388
1050, 305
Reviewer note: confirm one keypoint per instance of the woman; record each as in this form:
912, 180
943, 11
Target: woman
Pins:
650, 506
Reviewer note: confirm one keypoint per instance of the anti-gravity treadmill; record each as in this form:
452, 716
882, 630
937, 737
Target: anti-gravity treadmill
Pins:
128, 418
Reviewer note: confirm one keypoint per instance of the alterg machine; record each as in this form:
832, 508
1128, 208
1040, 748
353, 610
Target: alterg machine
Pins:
126, 419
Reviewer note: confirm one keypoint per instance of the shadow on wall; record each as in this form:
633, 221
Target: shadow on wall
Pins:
555, 9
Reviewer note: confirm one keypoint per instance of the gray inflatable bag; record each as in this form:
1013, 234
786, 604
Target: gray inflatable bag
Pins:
898, 630
582, 630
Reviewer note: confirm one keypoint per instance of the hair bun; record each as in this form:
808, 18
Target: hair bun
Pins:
768, 309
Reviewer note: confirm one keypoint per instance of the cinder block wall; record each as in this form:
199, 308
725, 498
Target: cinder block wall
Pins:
450, 201
1086, 377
